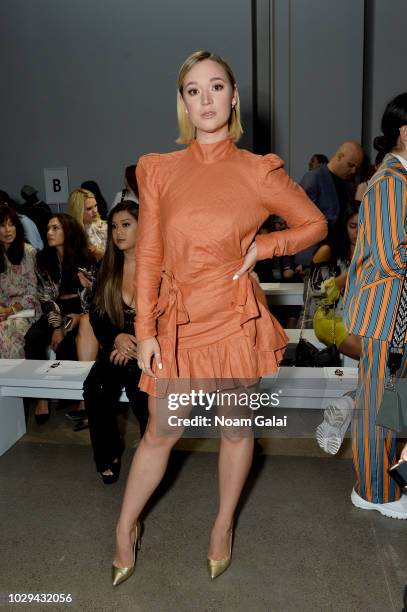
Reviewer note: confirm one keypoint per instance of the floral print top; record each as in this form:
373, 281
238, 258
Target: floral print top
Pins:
18, 283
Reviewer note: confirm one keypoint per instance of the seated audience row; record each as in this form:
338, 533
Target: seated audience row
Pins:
40, 213
50, 281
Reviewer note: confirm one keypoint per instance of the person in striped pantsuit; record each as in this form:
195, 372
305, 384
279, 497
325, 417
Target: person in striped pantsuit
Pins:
370, 305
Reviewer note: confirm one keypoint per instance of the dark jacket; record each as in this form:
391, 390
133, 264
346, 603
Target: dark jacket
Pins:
320, 187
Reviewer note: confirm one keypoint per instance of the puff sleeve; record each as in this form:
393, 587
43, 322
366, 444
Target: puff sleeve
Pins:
281, 196
149, 249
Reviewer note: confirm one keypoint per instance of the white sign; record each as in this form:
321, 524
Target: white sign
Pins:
56, 185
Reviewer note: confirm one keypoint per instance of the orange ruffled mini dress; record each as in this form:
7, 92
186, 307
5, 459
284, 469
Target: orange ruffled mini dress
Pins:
200, 210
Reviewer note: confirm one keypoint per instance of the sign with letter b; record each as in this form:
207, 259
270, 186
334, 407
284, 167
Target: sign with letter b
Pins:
56, 185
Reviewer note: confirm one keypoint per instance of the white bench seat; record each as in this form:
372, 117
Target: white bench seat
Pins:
284, 294
306, 388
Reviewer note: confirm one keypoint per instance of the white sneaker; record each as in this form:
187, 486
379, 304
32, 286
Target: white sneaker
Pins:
337, 417
328, 438
396, 509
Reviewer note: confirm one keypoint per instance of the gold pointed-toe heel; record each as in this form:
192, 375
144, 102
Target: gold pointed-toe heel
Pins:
120, 574
217, 567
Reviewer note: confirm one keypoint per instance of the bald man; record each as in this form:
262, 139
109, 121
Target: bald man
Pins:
330, 186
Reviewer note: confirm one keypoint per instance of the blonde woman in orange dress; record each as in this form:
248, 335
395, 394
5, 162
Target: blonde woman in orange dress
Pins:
200, 315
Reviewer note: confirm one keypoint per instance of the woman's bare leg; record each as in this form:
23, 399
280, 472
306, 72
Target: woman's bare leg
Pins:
41, 406
86, 344
235, 459
146, 472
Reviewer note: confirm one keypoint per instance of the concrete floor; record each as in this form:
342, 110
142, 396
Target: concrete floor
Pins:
299, 546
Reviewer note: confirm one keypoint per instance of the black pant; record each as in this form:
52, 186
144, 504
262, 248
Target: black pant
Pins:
101, 392
38, 338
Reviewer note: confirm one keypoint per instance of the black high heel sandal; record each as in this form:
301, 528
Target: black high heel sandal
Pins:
114, 476
40, 419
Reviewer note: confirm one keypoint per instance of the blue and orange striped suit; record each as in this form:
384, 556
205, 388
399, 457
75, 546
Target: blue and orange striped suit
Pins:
370, 304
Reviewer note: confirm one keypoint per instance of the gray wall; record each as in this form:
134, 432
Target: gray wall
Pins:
335, 66
318, 77
90, 84
386, 73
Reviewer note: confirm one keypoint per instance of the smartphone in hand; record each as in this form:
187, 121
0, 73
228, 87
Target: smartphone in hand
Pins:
66, 323
399, 473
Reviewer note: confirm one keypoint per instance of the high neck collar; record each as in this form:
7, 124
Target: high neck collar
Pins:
209, 153
401, 159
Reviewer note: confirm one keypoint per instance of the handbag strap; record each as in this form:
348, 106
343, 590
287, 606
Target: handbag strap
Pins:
399, 331
306, 305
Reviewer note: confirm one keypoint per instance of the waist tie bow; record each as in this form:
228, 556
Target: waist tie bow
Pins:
171, 302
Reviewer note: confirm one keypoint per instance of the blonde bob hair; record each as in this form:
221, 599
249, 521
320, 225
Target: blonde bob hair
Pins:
187, 130
76, 204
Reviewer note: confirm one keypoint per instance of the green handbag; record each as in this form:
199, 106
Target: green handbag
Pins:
392, 413
393, 408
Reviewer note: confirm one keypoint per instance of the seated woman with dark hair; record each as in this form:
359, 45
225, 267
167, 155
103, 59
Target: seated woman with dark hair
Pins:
60, 294
130, 190
19, 306
112, 317
31, 232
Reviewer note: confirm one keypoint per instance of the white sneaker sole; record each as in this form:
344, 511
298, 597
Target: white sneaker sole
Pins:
363, 504
328, 438
331, 432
